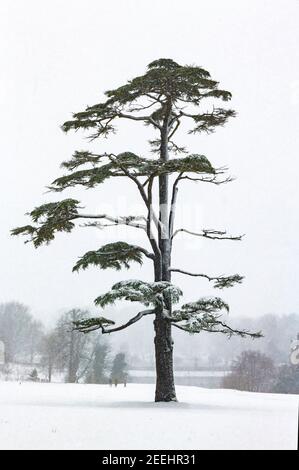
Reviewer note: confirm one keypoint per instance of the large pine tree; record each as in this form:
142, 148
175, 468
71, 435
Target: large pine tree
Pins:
162, 98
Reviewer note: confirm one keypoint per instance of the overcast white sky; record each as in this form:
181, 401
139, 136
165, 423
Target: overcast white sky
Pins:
59, 56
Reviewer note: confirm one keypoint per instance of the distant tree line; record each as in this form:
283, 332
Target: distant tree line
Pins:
216, 351
254, 371
77, 357
61, 350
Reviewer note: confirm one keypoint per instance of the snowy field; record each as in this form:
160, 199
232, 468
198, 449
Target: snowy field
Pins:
67, 416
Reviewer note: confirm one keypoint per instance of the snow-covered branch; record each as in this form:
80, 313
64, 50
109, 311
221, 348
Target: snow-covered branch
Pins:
121, 220
219, 327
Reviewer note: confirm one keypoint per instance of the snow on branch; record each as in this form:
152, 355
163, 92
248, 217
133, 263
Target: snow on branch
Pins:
131, 221
155, 293
147, 293
217, 327
204, 315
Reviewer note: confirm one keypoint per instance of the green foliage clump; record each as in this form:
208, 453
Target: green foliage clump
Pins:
113, 255
81, 158
228, 281
52, 217
127, 163
91, 322
163, 78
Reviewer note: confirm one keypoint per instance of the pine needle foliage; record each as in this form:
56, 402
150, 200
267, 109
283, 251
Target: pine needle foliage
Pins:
116, 255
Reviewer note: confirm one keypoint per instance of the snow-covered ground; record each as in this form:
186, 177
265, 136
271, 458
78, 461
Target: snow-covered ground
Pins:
67, 416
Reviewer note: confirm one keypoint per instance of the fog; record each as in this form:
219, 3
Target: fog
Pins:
57, 57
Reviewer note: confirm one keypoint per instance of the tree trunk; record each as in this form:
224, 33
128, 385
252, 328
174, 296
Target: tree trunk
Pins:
165, 388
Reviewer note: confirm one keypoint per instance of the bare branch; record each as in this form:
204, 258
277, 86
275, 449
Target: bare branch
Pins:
155, 98
220, 281
132, 177
208, 179
211, 234
147, 202
140, 118
150, 235
172, 146
99, 326
140, 107
173, 204
175, 128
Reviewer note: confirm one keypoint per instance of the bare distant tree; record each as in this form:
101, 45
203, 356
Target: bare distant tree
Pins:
251, 371
51, 350
35, 337
76, 350
19, 331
